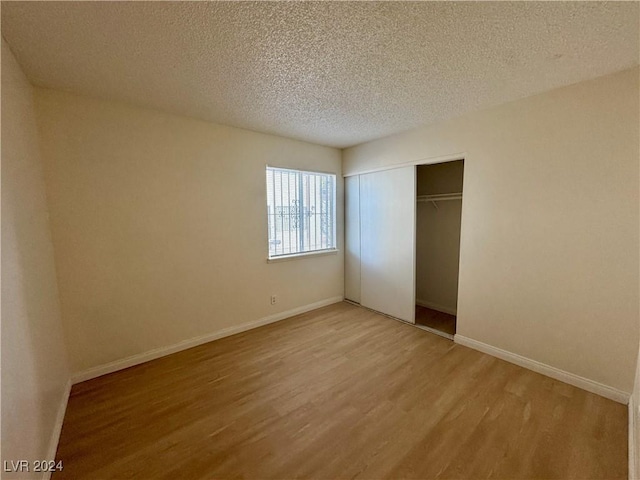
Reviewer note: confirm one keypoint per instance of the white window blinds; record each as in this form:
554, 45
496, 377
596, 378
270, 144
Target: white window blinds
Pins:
300, 211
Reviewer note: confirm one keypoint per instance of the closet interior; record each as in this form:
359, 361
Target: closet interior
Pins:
438, 222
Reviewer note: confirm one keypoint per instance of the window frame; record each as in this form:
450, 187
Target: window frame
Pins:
334, 223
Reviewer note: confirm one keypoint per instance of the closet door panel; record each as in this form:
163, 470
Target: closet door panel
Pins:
387, 239
352, 239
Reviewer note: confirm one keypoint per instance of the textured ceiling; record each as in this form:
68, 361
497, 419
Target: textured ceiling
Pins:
331, 73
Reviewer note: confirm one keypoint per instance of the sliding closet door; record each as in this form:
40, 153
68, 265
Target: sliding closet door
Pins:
387, 240
352, 239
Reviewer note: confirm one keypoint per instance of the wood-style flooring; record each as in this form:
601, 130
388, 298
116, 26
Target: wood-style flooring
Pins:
338, 393
444, 322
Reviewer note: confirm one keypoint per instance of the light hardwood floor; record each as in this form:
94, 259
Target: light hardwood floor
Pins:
340, 392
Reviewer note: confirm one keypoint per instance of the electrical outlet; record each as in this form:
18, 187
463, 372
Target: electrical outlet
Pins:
274, 299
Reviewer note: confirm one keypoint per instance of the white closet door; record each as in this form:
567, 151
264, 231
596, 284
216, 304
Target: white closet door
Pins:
387, 241
352, 239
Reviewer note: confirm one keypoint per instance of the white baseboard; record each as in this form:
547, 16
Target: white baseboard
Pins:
632, 439
553, 372
435, 306
57, 428
194, 342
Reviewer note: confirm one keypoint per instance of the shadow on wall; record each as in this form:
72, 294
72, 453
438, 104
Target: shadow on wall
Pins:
35, 367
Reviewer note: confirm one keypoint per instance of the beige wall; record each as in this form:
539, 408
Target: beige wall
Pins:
549, 243
159, 226
438, 254
34, 363
439, 178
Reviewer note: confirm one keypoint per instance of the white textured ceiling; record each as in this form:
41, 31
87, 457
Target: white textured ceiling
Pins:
331, 73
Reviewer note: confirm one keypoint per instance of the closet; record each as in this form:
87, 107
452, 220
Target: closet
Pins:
438, 222
396, 248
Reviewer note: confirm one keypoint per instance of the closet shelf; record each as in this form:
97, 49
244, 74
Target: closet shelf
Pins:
439, 198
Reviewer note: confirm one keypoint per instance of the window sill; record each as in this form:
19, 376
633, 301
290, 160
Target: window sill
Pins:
284, 258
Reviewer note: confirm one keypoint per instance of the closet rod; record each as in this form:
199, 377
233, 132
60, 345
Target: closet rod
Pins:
439, 197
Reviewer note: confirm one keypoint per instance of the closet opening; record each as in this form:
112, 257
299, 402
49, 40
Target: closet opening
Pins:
438, 221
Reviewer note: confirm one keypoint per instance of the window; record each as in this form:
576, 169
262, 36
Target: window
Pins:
300, 211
